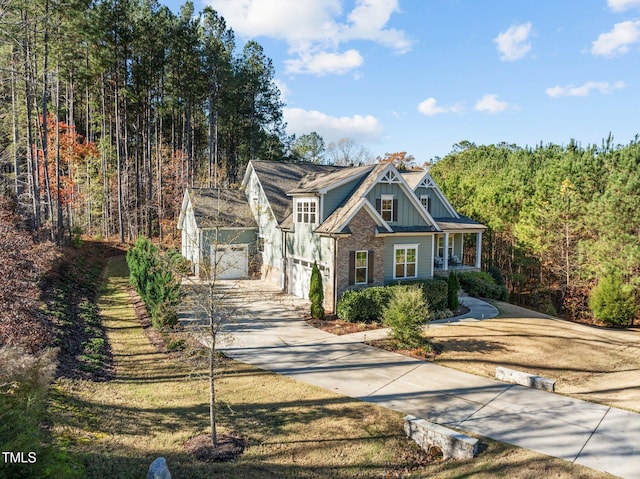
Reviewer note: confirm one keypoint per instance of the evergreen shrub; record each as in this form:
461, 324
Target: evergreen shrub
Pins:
435, 292
316, 293
150, 273
453, 286
613, 302
405, 314
364, 305
482, 285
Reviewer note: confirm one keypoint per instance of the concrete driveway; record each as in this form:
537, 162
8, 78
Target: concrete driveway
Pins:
269, 333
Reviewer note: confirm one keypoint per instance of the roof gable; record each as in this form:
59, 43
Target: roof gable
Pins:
425, 180
381, 173
218, 207
277, 179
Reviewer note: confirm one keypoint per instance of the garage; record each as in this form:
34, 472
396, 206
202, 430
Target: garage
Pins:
300, 278
230, 261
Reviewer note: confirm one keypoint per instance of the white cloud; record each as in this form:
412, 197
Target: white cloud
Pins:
603, 87
361, 128
514, 43
622, 5
315, 29
429, 107
617, 41
490, 104
323, 63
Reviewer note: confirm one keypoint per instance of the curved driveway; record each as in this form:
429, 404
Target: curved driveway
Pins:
270, 334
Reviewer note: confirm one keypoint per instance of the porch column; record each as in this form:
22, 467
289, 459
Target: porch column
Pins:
445, 253
479, 250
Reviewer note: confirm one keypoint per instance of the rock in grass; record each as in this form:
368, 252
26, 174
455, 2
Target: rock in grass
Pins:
159, 469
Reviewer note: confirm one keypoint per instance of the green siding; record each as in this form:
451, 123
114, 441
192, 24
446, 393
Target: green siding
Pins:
336, 196
304, 243
272, 235
438, 209
407, 213
425, 259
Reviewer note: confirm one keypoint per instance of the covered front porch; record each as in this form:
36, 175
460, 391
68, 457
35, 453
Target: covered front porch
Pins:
457, 251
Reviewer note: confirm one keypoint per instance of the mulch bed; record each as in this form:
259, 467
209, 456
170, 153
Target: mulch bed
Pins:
339, 327
152, 335
230, 447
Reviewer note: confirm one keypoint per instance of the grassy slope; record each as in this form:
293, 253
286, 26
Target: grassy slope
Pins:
155, 403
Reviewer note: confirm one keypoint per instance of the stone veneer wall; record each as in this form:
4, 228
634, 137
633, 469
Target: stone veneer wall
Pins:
363, 229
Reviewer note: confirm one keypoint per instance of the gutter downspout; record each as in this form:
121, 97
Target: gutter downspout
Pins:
334, 272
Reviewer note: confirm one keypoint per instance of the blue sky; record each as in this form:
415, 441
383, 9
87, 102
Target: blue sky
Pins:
422, 75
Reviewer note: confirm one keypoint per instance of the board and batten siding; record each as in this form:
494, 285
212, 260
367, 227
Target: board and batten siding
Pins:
333, 198
407, 213
304, 243
438, 209
425, 255
267, 224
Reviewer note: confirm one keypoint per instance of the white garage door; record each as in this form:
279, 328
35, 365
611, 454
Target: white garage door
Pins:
300, 278
230, 261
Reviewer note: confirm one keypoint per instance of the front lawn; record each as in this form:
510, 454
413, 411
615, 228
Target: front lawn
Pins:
156, 401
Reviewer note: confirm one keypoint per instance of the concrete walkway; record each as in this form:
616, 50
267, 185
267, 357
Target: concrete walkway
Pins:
270, 334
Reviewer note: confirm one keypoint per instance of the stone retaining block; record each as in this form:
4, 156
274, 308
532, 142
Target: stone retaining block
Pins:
525, 379
452, 444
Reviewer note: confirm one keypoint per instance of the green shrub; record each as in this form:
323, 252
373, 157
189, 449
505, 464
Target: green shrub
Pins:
496, 274
482, 285
435, 292
151, 275
364, 305
613, 302
453, 286
405, 314
316, 293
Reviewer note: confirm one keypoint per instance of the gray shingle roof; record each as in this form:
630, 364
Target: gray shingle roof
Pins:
221, 207
334, 222
278, 179
313, 183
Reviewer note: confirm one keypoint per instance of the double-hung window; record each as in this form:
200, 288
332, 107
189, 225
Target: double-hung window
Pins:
386, 207
361, 273
306, 211
405, 264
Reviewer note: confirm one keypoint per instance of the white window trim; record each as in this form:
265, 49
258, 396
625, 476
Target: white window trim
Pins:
356, 268
396, 247
384, 198
425, 200
299, 215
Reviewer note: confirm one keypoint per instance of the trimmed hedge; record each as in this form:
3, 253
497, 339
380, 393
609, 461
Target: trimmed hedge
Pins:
482, 285
367, 305
363, 305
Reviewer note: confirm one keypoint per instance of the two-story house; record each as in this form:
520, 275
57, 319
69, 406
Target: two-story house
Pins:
363, 226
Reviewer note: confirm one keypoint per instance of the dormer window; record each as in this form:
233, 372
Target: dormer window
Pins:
426, 202
387, 206
306, 211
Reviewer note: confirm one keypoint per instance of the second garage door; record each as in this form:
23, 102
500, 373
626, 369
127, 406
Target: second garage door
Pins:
230, 261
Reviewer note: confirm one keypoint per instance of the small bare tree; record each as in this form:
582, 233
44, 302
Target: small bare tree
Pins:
213, 302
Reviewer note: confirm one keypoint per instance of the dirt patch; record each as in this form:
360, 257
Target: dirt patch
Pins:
426, 352
229, 448
596, 364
